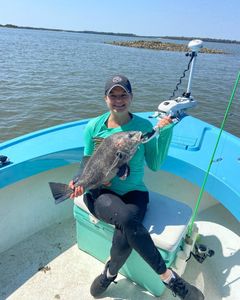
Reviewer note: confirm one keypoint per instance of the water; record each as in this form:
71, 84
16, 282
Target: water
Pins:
48, 78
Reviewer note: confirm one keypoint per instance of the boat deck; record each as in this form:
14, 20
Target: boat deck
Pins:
49, 265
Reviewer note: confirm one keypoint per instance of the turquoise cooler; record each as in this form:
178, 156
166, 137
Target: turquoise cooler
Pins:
166, 220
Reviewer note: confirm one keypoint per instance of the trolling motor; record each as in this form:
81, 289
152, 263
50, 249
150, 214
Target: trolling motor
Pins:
176, 108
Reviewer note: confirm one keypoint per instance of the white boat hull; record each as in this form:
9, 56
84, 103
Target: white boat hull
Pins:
41, 235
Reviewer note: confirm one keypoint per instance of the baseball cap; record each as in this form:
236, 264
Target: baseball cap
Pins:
118, 80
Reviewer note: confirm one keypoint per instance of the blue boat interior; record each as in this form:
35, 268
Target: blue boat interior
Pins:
189, 156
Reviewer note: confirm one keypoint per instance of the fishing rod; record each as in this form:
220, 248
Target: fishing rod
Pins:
176, 108
200, 251
213, 155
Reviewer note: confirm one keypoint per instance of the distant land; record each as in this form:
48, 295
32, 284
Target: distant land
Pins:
158, 45
126, 34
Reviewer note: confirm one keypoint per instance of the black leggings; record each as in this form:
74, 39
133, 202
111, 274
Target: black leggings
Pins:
126, 212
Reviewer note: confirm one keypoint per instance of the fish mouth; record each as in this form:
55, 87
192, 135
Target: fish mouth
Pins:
137, 136
134, 136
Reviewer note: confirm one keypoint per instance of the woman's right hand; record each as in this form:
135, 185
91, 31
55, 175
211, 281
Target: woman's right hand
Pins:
77, 191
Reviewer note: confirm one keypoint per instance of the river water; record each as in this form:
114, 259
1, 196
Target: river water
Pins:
48, 78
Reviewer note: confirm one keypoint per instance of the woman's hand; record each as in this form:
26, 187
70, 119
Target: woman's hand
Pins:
164, 122
77, 191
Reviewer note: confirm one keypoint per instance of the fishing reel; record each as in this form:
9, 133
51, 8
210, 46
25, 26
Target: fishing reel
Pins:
201, 252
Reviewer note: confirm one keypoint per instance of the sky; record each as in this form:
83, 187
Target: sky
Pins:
199, 18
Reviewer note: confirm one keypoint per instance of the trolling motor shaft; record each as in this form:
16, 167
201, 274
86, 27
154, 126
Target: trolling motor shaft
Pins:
177, 107
195, 46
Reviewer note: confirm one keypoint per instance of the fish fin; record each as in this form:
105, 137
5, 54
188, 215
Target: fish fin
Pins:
123, 171
60, 191
119, 155
83, 163
114, 164
97, 141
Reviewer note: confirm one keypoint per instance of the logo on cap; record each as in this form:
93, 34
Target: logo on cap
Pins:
117, 79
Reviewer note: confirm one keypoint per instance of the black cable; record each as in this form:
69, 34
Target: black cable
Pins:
184, 72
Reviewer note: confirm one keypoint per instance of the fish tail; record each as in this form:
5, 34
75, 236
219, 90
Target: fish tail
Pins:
60, 191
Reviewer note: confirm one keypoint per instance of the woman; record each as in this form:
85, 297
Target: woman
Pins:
123, 201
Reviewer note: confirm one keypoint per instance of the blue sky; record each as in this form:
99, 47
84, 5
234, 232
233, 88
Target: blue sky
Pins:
198, 18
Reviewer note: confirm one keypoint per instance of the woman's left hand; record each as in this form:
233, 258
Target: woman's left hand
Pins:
164, 122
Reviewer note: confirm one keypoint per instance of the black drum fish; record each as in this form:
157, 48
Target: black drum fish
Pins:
110, 159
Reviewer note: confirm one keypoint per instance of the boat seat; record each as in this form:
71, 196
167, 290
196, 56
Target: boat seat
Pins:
166, 220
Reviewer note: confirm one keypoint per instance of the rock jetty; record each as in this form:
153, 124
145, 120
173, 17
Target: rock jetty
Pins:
158, 45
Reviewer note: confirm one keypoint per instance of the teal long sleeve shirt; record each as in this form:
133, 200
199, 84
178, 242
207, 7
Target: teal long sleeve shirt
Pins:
153, 152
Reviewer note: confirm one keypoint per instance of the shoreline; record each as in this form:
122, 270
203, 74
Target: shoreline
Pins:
182, 38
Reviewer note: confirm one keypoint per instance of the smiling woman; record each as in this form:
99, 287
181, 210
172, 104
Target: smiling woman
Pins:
127, 197
118, 96
118, 102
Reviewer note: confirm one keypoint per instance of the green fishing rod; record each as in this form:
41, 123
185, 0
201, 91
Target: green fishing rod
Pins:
178, 106
190, 228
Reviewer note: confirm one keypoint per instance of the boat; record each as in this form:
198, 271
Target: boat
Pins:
41, 255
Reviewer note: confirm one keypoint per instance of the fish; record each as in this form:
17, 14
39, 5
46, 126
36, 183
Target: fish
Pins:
110, 159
